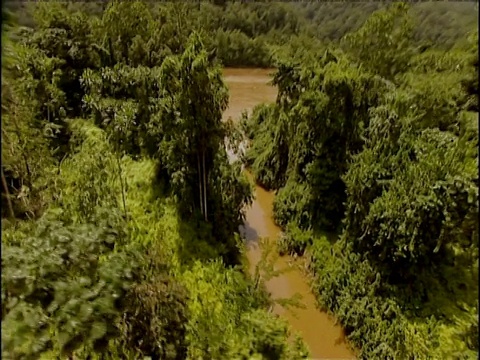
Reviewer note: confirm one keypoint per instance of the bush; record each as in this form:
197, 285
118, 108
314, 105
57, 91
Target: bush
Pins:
294, 240
155, 317
60, 289
228, 320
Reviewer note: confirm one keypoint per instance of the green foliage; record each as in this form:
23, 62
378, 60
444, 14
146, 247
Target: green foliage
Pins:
294, 241
154, 321
267, 158
66, 39
348, 287
60, 288
116, 104
231, 194
294, 203
303, 47
161, 120
221, 323
218, 299
382, 44
400, 152
378, 317
266, 340
438, 23
444, 24
89, 179
260, 114
330, 21
118, 98
252, 27
26, 157
237, 49
435, 99
470, 83
304, 143
200, 100
422, 191
150, 317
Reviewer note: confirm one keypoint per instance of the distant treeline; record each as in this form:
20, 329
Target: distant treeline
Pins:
248, 34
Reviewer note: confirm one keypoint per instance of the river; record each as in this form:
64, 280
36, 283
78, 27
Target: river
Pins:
324, 338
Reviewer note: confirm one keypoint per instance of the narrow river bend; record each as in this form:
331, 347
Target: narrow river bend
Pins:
249, 87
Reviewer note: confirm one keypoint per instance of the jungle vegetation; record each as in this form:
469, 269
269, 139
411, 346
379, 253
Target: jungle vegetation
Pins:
372, 147
252, 33
120, 209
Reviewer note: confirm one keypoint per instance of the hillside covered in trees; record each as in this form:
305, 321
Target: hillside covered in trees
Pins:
376, 141
252, 34
121, 210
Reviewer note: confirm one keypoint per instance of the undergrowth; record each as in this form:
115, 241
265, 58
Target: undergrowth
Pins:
387, 321
170, 295
227, 313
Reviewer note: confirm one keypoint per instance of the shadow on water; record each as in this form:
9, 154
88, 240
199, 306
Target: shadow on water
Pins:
249, 234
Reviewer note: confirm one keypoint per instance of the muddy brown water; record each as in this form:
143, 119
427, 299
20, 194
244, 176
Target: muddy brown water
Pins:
324, 338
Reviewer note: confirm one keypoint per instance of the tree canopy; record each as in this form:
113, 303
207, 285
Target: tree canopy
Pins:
121, 209
375, 140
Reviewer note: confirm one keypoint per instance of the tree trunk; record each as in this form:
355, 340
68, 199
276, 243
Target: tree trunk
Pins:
205, 186
7, 194
110, 50
200, 183
121, 186
22, 142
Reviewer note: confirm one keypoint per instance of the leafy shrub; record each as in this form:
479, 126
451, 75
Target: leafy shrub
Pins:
60, 289
153, 322
376, 315
225, 317
89, 178
268, 159
264, 338
421, 198
260, 115
294, 240
234, 48
293, 203
383, 43
303, 145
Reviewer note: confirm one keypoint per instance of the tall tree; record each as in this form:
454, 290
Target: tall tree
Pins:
201, 99
383, 43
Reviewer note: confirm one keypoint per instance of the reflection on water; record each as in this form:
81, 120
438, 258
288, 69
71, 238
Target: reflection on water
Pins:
248, 87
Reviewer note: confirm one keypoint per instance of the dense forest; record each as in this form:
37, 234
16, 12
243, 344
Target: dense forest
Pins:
252, 34
121, 209
372, 149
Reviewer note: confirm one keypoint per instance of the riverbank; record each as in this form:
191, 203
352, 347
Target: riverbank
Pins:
324, 337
